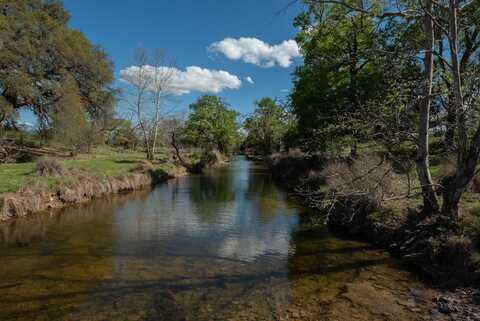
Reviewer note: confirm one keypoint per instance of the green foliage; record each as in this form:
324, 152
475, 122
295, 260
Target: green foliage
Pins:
40, 56
266, 127
342, 72
211, 125
122, 134
70, 123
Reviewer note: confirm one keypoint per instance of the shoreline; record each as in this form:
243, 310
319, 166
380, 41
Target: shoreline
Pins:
451, 272
35, 199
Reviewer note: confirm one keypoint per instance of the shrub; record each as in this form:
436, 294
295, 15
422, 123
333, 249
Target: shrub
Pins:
369, 176
49, 167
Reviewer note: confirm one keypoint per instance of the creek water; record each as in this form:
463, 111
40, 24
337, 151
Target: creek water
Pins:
225, 245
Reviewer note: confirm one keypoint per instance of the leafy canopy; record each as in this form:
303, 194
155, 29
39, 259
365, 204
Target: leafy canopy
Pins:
341, 71
40, 56
266, 127
212, 125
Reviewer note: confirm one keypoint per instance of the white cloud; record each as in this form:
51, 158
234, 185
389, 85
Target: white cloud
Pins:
26, 124
249, 79
183, 82
257, 52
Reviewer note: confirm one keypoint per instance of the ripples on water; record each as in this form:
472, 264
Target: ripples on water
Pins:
226, 245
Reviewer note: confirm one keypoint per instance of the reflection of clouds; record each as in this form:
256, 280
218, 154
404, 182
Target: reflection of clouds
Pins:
160, 217
235, 222
250, 247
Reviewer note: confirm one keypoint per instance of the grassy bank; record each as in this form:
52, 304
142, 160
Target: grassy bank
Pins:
23, 190
102, 163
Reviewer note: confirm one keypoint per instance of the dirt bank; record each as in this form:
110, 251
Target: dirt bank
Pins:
33, 199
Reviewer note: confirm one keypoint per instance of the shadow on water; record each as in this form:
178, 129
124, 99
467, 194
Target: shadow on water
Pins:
226, 245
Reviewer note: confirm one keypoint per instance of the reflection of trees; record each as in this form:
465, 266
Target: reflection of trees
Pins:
260, 183
51, 263
269, 199
210, 193
89, 216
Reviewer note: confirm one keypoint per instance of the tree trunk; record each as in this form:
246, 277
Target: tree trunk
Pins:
466, 159
451, 124
457, 84
463, 176
354, 69
430, 201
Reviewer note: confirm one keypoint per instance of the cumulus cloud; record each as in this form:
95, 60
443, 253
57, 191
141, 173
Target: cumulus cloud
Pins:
257, 52
249, 79
181, 82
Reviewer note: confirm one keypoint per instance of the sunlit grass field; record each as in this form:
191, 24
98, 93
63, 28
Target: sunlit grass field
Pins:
103, 162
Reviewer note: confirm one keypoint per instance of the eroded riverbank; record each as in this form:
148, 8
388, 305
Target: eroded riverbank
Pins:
226, 245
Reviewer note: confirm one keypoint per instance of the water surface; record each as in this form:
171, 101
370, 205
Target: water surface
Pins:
226, 245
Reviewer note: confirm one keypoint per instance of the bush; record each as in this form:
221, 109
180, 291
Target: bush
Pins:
294, 168
368, 176
49, 167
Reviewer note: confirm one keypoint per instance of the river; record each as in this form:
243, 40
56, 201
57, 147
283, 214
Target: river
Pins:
225, 245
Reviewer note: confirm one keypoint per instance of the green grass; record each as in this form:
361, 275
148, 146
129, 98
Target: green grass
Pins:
14, 176
103, 162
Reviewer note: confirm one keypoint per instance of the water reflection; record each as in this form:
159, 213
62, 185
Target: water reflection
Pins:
226, 245
214, 214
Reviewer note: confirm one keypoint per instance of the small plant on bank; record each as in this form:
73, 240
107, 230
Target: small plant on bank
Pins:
48, 167
370, 177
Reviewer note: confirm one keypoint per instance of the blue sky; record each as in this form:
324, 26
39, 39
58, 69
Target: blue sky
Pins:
185, 29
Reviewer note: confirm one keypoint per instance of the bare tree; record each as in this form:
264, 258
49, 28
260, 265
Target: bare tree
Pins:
151, 82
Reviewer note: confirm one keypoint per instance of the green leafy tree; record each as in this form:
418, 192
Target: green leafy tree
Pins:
122, 134
70, 123
266, 127
212, 125
40, 55
340, 73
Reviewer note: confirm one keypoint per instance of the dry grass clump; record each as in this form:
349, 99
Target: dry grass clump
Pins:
27, 200
90, 187
369, 176
48, 167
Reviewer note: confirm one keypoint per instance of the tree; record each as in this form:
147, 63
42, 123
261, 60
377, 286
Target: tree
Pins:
122, 134
468, 26
266, 127
452, 24
468, 141
212, 125
339, 75
70, 123
40, 55
150, 83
